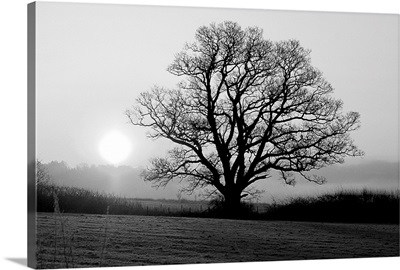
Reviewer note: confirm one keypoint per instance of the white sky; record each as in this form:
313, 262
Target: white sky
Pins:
93, 61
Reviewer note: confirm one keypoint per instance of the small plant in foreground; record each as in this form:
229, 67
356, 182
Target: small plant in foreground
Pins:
105, 238
67, 240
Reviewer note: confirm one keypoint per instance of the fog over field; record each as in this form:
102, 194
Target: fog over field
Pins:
127, 181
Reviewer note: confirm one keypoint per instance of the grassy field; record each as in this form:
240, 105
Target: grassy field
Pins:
84, 240
172, 206
83, 229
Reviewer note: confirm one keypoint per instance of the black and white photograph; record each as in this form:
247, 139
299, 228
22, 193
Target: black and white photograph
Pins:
173, 135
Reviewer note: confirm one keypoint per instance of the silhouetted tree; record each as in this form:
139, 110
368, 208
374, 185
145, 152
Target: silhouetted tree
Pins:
246, 106
42, 175
44, 188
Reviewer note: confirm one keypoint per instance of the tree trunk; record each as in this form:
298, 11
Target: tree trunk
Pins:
232, 206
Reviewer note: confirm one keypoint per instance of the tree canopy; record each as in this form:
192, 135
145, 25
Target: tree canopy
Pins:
245, 106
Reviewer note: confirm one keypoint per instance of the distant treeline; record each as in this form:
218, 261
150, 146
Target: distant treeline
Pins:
365, 206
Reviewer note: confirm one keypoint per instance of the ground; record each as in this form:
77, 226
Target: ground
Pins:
104, 240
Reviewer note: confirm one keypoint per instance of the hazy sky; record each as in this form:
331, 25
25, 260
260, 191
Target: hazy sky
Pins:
94, 59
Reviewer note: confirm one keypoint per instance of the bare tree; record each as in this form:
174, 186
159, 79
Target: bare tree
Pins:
179, 196
246, 106
42, 175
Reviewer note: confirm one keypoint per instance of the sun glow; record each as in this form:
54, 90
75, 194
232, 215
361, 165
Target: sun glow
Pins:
115, 147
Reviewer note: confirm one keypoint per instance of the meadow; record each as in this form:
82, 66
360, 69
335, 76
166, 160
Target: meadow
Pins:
81, 228
87, 240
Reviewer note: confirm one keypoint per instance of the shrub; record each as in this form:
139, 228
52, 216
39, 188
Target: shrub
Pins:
342, 206
79, 200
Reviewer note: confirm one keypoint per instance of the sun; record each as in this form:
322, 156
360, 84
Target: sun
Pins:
115, 147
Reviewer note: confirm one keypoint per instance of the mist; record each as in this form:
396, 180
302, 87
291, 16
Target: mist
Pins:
126, 181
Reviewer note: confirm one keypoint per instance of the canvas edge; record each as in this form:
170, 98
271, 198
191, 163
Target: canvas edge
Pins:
31, 117
31, 136
398, 112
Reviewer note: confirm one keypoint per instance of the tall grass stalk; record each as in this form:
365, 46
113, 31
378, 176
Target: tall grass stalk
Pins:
105, 236
64, 243
38, 253
56, 214
70, 249
67, 243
